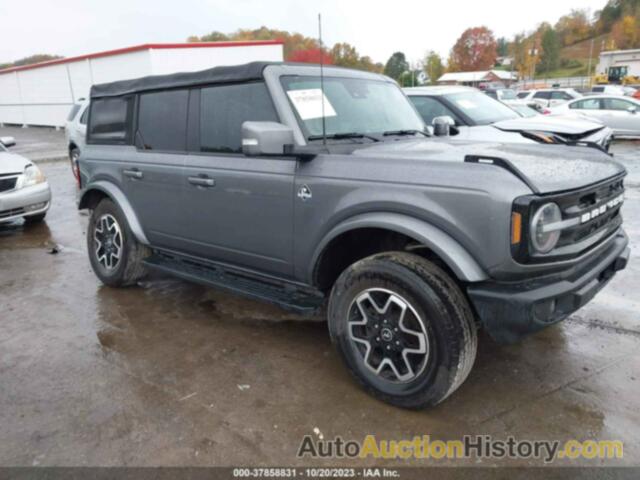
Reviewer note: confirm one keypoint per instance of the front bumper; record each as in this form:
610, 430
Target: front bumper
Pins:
24, 202
510, 311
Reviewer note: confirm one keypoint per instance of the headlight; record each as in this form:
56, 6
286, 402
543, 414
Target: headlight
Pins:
32, 176
544, 241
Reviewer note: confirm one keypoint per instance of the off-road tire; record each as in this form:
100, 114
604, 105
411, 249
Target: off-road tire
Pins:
130, 268
437, 298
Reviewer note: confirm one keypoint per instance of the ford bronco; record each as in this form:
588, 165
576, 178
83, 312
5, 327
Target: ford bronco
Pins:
319, 192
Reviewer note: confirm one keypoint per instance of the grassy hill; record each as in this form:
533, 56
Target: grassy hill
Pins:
576, 58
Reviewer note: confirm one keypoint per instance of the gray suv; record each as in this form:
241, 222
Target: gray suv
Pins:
311, 192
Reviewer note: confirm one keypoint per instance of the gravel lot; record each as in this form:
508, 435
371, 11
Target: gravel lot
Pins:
171, 373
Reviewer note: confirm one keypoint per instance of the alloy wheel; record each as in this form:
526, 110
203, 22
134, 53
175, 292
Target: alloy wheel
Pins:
108, 241
388, 334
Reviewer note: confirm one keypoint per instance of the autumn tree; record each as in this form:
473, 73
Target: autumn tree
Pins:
626, 32
433, 66
346, 55
396, 65
574, 27
311, 55
476, 49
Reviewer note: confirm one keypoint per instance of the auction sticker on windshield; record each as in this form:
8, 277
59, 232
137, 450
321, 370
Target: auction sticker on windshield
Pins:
308, 103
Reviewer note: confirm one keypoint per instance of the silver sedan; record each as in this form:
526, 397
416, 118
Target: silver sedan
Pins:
621, 114
24, 191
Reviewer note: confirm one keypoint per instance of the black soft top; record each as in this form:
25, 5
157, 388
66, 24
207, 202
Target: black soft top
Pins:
235, 73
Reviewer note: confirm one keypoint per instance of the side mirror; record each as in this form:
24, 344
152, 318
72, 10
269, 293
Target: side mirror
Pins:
266, 138
442, 125
632, 110
8, 141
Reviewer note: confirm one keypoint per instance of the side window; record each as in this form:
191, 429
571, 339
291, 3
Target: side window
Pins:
223, 110
162, 120
109, 118
522, 94
617, 104
589, 104
543, 95
85, 115
430, 108
560, 96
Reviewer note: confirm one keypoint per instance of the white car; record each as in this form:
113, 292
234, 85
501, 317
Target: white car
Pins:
608, 90
621, 114
476, 116
24, 191
75, 131
548, 97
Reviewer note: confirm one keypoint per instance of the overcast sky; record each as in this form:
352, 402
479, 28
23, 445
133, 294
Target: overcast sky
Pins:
376, 28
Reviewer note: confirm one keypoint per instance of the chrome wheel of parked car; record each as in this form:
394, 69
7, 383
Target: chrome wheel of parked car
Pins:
74, 156
108, 237
389, 335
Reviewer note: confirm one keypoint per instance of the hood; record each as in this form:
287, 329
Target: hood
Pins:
545, 123
545, 168
12, 163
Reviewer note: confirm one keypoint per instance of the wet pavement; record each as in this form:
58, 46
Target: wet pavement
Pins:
171, 373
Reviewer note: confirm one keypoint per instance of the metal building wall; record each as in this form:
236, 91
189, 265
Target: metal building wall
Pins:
43, 95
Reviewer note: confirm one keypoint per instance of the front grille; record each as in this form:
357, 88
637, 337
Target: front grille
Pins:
11, 212
596, 212
592, 215
8, 183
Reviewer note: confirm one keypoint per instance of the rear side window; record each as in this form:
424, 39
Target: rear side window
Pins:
522, 94
109, 118
224, 108
162, 121
85, 115
73, 112
588, 104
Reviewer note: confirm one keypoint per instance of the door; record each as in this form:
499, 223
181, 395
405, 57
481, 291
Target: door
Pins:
590, 108
542, 98
621, 115
239, 209
152, 178
558, 98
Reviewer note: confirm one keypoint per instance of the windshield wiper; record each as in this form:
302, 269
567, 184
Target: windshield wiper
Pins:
404, 132
340, 136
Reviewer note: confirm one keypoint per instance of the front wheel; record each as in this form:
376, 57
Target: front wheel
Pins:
404, 329
115, 255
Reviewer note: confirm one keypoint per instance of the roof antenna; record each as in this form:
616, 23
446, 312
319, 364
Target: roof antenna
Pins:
324, 126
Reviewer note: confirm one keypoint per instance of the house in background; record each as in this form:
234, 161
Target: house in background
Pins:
474, 79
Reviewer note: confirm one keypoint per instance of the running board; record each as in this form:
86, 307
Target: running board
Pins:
289, 296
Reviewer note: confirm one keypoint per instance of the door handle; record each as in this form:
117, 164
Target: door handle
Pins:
133, 173
202, 181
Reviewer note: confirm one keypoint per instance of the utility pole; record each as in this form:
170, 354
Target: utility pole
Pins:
589, 67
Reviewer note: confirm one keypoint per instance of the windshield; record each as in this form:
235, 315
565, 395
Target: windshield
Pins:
480, 108
351, 105
507, 94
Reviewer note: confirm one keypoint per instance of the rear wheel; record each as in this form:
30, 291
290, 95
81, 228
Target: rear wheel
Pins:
404, 329
115, 255
74, 157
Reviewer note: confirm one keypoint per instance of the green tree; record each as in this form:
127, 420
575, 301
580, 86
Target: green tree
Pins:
550, 45
433, 66
396, 65
502, 47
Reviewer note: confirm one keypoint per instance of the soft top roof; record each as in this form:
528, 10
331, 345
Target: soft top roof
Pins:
226, 74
